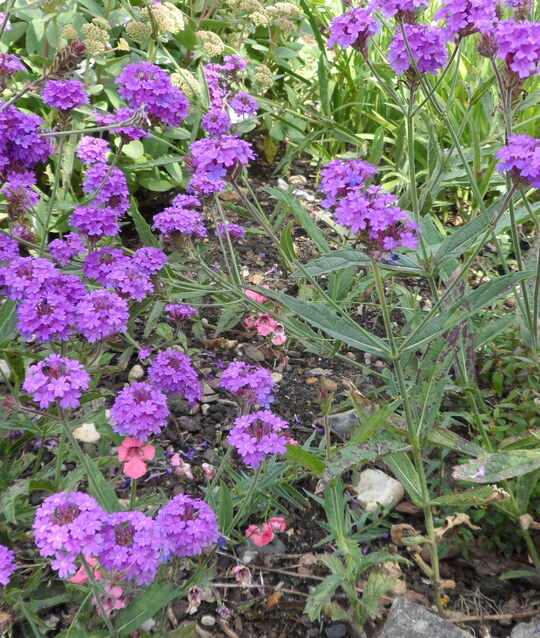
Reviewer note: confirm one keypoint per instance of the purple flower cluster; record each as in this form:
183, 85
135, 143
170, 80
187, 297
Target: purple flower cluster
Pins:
25, 276
9, 248
258, 434
253, 385
66, 525
172, 372
92, 150
468, 16
342, 176
9, 65
391, 8
7, 564
128, 280
140, 410
145, 84
188, 526
131, 544
180, 312
216, 122
56, 378
367, 210
519, 46
64, 250
353, 28
101, 314
128, 131
149, 260
64, 94
214, 160
521, 158
100, 262
428, 48
244, 104
235, 231
19, 194
181, 218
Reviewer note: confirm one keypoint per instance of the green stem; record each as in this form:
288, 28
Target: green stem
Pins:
133, 494
52, 197
60, 450
247, 499
413, 436
220, 469
234, 271
96, 590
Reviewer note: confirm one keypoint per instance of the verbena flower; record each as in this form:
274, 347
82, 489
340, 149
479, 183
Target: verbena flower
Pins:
100, 262
172, 372
181, 311
92, 150
19, 193
251, 384
26, 275
9, 248
7, 564
519, 46
176, 219
149, 260
257, 435
129, 281
353, 28
56, 378
95, 221
188, 526
9, 65
244, 104
64, 250
428, 47
131, 545
468, 16
66, 525
133, 131
235, 231
521, 158
110, 184
342, 176
140, 410
391, 8
216, 122
64, 94
21, 145
145, 84
214, 160
101, 314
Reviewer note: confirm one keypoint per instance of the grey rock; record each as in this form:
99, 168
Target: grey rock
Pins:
336, 631
407, 620
527, 629
344, 422
319, 372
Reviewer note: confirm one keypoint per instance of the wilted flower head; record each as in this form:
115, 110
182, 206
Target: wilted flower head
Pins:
7, 564
64, 250
353, 28
133, 454
181, 311
92, 150
64, 94
266, 326
188, 525
101, 314
258, 434
261, 536
56, 378
67, 524
211, 44
140, 410
172, 372
131, 545
521, 158
251, 384
428, 47
181, 468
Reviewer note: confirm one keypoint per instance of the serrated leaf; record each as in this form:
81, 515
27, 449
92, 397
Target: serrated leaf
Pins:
498, 466
322, 595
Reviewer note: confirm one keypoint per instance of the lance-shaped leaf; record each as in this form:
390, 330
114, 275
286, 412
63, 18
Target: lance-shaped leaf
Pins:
498, 466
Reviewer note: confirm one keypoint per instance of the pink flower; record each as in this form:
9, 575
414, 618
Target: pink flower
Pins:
260, 535
209, 470
292, 442
81, 577
242, 574
279, 338
277, 523
256, 296
181, 468
134, 454
266, 327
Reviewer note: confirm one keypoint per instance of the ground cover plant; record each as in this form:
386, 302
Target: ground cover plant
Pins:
249, 250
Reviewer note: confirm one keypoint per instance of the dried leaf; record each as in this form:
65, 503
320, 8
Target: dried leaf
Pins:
454, 521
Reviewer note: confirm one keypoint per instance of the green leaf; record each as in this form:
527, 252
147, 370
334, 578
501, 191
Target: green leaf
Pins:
8, 320
144, 607
477, 496
296, 454
403, 469
343, 259
498, 466
225, 508
322, 595
286, 242
187, 631
452, 441
368, 426
143, 228
98, 486
134, 150
376, 587
322, 317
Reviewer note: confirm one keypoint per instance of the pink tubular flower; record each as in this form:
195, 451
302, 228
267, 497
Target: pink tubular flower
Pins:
181, 468
256, 296
81, 576
242, 573
278, 523
209, 470
134, 455
261, 536
267, 327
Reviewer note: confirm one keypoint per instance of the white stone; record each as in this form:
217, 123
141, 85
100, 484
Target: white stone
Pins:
377, 488
137, 372
87, 433
148, 625
5, 370
208, 621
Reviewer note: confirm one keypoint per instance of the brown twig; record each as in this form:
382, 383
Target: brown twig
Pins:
519, 614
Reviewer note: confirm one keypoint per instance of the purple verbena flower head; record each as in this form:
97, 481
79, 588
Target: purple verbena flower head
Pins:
258, 434
172, 372
26, 275
391, 8
214, 160
92, 150
253, 385
150, 260
144, 353
519, 46
216, 122
7, 564
188, 526
244, 104
68, 524
111, 183
353, 28
235, 231
64, 250
9, 248
56, 378
95, 221
128, 132
101, 314
464, 17
178, 220
9, 65
129, 280
521, 158
100, 262
234, 64
130, 546
342, 176
180, 312
428, 48
18, 191
140, 410
64, 94
21, 145
145, 84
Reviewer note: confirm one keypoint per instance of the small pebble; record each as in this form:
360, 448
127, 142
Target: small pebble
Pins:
137, 372
208, 621
336, 631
